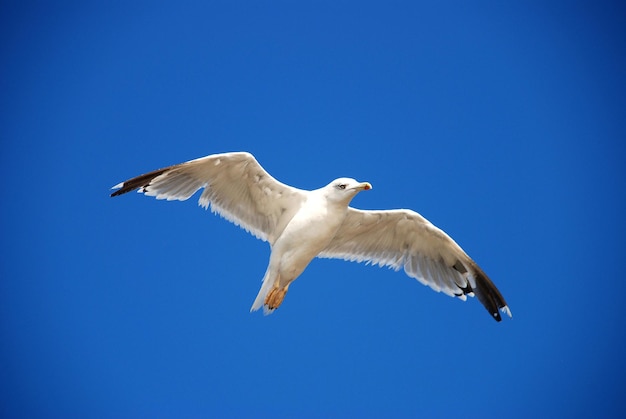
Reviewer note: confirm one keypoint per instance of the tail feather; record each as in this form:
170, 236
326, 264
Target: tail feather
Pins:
268, 283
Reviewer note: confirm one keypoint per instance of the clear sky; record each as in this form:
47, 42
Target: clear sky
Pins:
502, 124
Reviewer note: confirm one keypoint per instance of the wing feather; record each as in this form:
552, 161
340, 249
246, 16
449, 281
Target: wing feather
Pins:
235, 186
405, 239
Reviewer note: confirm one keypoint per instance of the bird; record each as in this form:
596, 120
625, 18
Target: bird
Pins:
300, 225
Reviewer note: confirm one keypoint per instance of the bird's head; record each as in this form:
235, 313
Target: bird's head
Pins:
344, 189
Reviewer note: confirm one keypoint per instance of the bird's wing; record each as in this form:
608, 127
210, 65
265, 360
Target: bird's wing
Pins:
235, 186
405, 239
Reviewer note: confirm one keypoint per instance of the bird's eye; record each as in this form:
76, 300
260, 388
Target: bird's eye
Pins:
341, 186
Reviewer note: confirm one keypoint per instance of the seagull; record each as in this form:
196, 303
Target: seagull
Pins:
300, 225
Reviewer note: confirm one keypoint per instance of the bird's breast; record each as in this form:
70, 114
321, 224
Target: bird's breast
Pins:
309, 231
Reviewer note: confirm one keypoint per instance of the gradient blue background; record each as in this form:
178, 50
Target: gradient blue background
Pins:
503, 124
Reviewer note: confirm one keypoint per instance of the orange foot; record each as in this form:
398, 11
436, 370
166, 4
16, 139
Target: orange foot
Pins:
275, 297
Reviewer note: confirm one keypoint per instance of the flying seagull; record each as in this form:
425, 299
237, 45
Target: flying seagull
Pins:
300, 225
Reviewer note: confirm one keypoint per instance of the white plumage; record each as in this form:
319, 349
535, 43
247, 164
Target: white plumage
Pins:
300, 225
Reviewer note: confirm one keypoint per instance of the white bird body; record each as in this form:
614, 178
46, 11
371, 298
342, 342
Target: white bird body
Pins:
309, 231
301, 225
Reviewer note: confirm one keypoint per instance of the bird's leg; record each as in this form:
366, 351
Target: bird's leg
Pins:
275, 297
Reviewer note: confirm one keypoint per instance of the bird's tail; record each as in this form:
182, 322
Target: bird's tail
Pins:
268, 283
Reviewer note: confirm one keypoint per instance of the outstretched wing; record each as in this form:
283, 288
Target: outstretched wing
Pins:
405, 239
235, 186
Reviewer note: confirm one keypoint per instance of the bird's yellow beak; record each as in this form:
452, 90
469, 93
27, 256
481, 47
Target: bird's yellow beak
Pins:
366, 186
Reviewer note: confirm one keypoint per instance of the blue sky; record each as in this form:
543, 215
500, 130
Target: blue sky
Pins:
503, 124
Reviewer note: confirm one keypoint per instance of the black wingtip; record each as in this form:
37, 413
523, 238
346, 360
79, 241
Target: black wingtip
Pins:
118, 191
137, 182
488, 294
